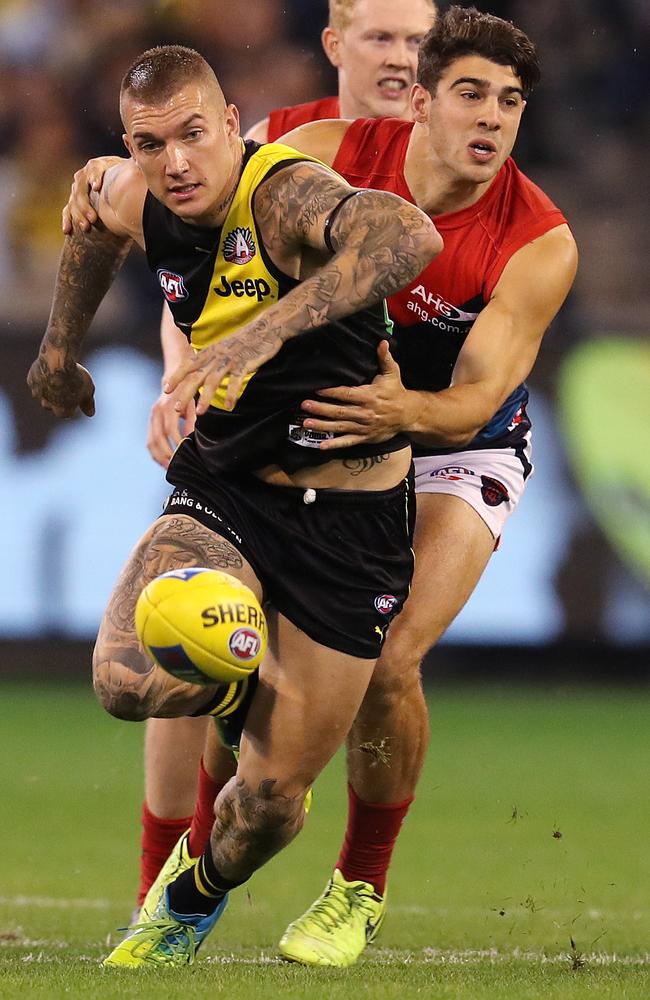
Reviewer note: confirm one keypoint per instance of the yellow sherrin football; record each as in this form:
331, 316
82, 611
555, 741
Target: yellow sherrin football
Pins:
202, 625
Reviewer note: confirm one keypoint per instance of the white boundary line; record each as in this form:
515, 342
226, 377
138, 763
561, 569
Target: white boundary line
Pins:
376, 956
56, 903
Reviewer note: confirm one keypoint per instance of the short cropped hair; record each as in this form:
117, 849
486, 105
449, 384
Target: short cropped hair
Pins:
340, 12
160, 72
464, 31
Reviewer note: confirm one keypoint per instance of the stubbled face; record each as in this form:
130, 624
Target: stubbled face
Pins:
188, 150
474, 117
376, 55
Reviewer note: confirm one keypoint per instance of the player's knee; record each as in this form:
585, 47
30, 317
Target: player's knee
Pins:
120, 691
397, 675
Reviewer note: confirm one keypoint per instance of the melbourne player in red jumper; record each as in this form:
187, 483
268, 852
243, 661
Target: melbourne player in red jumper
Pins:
468, 332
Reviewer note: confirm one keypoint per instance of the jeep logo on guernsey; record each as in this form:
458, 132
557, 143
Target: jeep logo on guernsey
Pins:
172, 285
385, 603
245, 643
239, 246
251, 287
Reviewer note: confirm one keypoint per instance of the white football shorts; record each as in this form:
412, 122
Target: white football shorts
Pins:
491, 480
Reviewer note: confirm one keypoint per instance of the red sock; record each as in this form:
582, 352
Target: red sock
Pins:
203, 818
370, 837
158, 839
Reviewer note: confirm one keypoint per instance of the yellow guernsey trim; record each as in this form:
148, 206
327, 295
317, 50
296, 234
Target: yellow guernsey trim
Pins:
242, 286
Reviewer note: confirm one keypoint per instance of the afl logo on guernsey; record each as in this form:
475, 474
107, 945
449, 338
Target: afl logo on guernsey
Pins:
172, 285
385, 603
239, 246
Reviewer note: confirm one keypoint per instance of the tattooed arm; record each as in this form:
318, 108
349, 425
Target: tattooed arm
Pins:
351, 248
87, 268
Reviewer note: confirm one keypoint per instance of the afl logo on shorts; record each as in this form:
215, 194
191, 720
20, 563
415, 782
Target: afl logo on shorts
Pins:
493, 492
172, 285
239, 246
244, 643
385, 603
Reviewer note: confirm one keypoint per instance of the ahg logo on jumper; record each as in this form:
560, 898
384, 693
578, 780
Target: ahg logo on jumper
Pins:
172, 285
239, 246
385, 603
442, 308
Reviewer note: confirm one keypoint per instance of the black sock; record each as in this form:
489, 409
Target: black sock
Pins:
200, 889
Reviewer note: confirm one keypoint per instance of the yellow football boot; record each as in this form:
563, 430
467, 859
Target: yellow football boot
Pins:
160, 936
337, 927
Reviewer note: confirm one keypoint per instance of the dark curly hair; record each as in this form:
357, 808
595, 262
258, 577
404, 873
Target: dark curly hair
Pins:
464, 31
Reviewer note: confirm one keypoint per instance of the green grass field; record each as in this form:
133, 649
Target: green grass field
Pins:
531, 830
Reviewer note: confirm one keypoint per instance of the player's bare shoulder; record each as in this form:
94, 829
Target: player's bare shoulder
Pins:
320, 139
544, 268
120, 201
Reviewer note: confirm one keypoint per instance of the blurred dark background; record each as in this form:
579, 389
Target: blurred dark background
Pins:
569, 588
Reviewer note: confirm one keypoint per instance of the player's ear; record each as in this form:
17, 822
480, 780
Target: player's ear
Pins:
420, 102
231, 120
330, 42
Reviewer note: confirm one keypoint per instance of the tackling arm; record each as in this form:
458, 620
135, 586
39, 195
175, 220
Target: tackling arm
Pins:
502, 346
167, 424
496, 357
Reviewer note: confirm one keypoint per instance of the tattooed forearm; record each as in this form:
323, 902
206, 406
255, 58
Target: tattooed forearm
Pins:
357, 466
382, 243
87, 268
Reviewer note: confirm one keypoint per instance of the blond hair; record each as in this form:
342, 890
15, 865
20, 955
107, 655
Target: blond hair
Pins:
340, 12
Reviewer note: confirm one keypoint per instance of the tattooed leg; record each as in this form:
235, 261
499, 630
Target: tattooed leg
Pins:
307, 698
127, 683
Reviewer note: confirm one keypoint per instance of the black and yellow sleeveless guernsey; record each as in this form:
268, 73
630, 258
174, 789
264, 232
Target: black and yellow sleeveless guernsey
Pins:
218, 280
336, 563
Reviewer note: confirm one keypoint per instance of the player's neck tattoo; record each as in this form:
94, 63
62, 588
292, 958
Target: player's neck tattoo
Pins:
224, 204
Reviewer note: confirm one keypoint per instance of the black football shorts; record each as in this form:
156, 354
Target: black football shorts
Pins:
336, 563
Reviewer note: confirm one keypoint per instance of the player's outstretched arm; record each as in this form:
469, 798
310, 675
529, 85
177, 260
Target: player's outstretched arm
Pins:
377, 243
497, 356
87, 268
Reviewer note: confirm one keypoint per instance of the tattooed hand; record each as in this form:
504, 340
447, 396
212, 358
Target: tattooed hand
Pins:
87, 267
234, 357
364, 413
62, 390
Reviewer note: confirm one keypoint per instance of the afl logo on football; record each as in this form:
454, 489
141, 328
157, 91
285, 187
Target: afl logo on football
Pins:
244, 643
172, 285
385, 603
239, 246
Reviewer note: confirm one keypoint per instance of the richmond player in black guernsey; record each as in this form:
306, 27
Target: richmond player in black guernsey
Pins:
216, 282
326, 545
